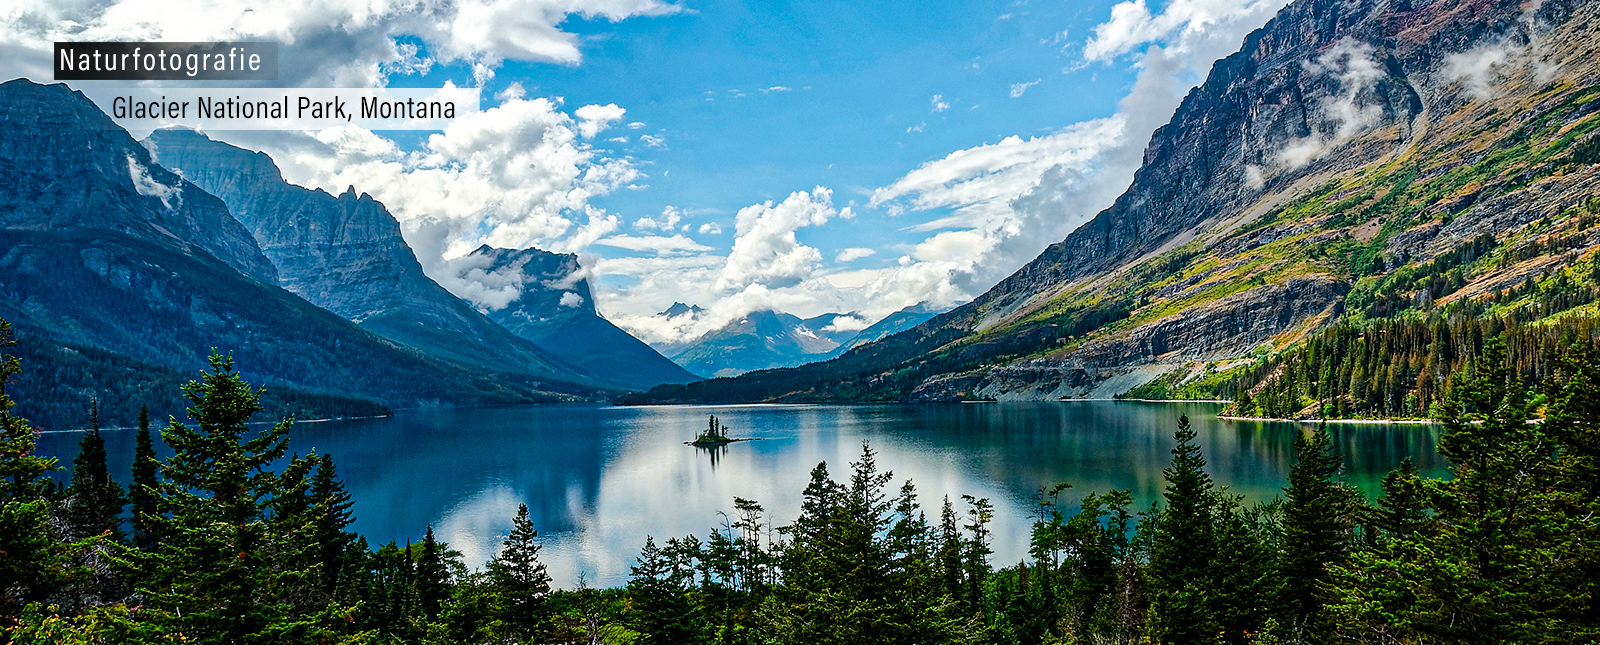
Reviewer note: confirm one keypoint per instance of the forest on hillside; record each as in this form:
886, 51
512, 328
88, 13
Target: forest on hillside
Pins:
216, 545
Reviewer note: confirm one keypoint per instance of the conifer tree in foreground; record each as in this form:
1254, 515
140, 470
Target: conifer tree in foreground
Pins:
225, 571
520, 578
94, 502
1318, 531
1185, 549
142, 492
35, 565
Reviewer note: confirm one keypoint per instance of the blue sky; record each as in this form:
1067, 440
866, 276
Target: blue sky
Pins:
802, 156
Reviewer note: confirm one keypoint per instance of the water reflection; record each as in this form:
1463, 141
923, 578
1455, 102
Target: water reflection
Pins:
597, 480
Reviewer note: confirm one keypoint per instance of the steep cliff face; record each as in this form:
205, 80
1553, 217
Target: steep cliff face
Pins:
1347, 143
555, 309
69, 166
89, 260
346, 254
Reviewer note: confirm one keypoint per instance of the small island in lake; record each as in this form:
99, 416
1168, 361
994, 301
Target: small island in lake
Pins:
716, 435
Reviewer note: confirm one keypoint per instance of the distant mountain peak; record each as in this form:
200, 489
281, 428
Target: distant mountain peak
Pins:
679, 309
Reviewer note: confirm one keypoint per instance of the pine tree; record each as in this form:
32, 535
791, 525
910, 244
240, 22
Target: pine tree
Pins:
34, 564
22, 474
659, 606
520, 578
224, 571
94, 502
948, 555
334, 545
1185, 549
433, 579
1318, 525
142, 494
975, 556
1402, 508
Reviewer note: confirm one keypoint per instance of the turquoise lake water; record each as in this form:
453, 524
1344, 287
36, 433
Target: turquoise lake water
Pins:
598, 479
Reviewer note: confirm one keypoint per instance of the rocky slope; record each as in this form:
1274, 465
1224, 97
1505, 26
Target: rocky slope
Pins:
98, 252
346, 254
1348, 141
555, 310
69, 166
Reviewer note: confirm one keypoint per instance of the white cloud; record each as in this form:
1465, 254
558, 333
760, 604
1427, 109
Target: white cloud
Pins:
513, 176
1341, 116
512, 92
852, 254
669, 219
939, 104
846, 323
765, 250
571, 299
710, 228
776, 88
918, 127
1208, 29
1018, 89
325, 42
661, 245
594, 118
997, 206
146, 185
652, 141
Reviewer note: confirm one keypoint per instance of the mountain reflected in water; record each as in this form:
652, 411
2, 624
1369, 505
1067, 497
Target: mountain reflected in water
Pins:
597, 480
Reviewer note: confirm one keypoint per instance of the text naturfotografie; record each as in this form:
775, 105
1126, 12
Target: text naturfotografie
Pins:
141, 60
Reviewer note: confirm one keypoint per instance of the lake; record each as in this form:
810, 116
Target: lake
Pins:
598, 479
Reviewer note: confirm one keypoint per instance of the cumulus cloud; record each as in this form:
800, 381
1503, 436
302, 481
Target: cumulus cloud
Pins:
1208, 29
846, 323
938, 103
513, 176
852, 254
594, 118
710, 228
325, 42
571, 299
669, 219
765, 249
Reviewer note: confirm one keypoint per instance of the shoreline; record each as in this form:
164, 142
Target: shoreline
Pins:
1333, 421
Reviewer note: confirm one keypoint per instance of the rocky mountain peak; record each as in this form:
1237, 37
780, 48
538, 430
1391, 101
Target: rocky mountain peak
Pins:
52, 133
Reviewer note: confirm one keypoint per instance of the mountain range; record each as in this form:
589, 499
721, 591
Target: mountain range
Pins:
767, 339
1340, 160
113, 260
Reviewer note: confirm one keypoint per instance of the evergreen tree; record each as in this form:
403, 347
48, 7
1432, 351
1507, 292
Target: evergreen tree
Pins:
223, 572
334, 545
22, 474
433, 579
34, 564
975, 557
1318, 526
1401, 511
520, 578
1185, 550
142, 493
659, 607
94, 502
